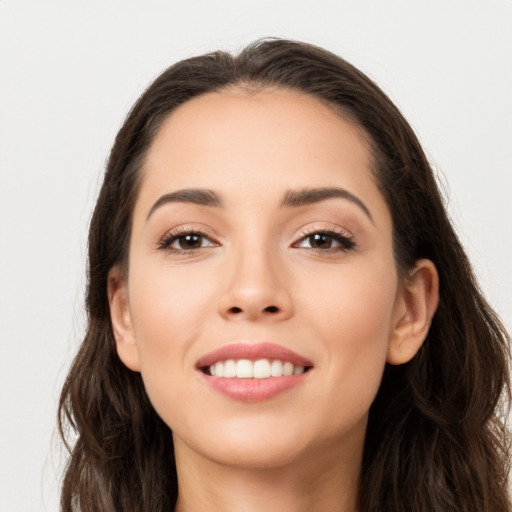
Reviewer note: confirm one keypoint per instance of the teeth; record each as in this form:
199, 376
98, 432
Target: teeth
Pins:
288, 369
276, 368
229, 368
244, 369
260, 369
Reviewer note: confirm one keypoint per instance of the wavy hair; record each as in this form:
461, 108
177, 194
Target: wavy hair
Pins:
435, 439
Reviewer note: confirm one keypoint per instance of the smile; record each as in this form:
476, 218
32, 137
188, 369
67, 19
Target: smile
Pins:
259, 369
253, 372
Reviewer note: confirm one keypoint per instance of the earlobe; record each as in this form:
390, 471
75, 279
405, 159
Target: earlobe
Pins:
418, 302
120, 317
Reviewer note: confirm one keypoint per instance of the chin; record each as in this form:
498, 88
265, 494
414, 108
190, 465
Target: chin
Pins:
261, 442
256, 455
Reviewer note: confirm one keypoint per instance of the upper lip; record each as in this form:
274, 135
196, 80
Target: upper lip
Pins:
253, 352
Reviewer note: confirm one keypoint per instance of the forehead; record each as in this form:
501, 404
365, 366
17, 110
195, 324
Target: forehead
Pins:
255, 144
267, 119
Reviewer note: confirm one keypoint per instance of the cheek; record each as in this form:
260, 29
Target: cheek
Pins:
355, 302
168, 309
354, 319
165, 299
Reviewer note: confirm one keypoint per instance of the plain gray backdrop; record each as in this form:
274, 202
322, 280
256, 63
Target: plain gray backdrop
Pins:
70, 70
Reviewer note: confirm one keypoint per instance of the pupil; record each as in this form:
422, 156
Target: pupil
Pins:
190, 241
321, 241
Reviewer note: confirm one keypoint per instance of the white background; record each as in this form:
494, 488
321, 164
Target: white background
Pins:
70, 70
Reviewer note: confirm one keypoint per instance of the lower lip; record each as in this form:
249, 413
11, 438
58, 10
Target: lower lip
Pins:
253, 390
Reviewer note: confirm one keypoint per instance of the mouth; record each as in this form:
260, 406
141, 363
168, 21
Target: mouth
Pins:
252, 373
259, 369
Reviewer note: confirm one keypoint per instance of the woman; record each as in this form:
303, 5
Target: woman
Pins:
281, 316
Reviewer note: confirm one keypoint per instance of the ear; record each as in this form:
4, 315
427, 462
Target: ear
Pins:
120, 317
414, 309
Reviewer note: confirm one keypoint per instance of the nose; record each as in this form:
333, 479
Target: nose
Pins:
255, 287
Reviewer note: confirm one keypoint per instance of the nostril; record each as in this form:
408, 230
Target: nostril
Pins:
235, 310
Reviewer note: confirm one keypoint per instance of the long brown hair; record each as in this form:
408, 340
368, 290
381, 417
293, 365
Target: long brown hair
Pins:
435, 439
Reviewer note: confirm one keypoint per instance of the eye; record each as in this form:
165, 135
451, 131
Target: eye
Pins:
185, 241
326, 241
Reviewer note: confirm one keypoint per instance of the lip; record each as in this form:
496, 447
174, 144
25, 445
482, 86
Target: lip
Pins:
253, 390
253, 352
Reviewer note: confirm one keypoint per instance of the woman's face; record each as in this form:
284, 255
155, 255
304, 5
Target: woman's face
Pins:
259, 234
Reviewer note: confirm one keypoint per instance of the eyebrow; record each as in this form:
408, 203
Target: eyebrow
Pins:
303, 197
199, 196
292, 198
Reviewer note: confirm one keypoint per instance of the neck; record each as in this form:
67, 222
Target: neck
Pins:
323, 483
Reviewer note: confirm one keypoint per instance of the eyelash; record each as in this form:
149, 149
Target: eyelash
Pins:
346, 242
170, 238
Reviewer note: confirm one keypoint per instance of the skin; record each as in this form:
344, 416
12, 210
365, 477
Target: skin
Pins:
255, 276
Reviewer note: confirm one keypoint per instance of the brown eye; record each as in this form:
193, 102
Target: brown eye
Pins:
325, 241
190, 241
320, 241
186, 242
